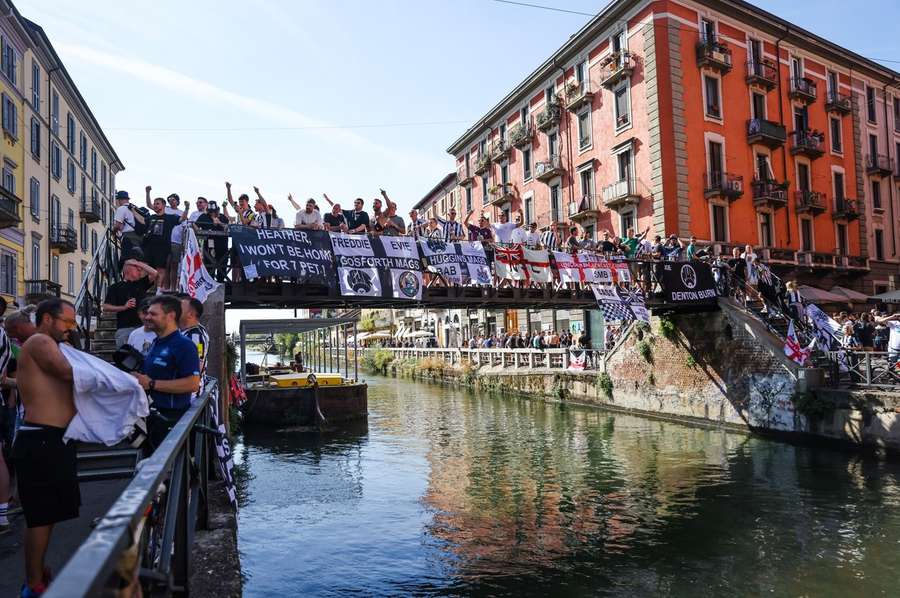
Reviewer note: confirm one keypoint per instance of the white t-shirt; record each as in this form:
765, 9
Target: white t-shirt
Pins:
124, 215
177, 231
194, 215
503, 231
532, 239
894, 338
519, 235
305, 218
141, 339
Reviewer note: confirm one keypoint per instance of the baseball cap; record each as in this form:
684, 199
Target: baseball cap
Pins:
175, 195
212, 206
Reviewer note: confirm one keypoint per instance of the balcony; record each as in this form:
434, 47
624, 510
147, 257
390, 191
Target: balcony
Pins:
90, 210
482, 164
545, 170
766, 132
501, 194
588, 207
808, 143
763, 73
809, 202
499, 150
845, 209
769, 194
723, 185
879, 164
621, 193
616, 67
9, 209
38, 290
713, 54
838, 103
803, 89
578, 95
463, 178
63, 239
548, 117
520, 135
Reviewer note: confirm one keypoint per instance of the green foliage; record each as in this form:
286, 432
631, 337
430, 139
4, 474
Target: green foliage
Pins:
559, 389
367, 324
645, 351
667, 328
690, 361
284, 342
814, 408
605, 384
231, 357
651, 379
235, 419
376, 361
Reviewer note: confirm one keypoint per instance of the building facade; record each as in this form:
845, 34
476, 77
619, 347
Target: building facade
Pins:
710, 118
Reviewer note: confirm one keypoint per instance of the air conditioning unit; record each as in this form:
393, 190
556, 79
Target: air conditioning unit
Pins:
720, 57
736, 185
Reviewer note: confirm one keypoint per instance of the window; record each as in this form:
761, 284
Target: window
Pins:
581, 71
796, 68
876, 195
896, 113
34, 197
626, 220
36, 139
83, 151
93, 164
54, 269
765, 229
54, 212
618, 42
806, 234
584, 130
622, 106
54, 112
548, 95
9, 178
842, 239
103, 177
708, 30
84, 235
468, 200
555, 215
755, 54
35, 260
71, 218
801, 118
803, 176
504, 173
484, 190
55, 160
526, 164
10, 62
93, 242
711, 88
716, 161
758, 105
623, 165
553, 144
71, 287
35, 86
502, 132
839, 188
83, 189
871, 112
837, 144
873, 148
529, 209
70, 133
832, 79
10, 117
587, 182
523, 114
70, 175
8, 273
720, 223
879, 244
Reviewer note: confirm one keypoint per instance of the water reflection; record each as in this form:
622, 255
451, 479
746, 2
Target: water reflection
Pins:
452, 493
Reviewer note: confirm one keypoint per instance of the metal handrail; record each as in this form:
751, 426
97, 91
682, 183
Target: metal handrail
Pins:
183, 465
102, 271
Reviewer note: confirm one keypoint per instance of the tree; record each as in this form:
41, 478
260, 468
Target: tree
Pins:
284, 342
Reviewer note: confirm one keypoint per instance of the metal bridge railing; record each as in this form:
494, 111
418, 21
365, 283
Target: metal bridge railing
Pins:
101, 273
548, 359
876, 369
150, 528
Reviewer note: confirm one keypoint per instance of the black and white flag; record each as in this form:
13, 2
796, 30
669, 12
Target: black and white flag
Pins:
460, 262
618, 304
304, 255
378, 266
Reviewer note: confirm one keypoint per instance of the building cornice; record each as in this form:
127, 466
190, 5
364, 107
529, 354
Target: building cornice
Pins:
447, 183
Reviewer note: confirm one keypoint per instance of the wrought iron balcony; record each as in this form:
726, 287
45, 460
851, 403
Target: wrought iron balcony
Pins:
803, 89
544, 170
587, 207
713, 54
482, 164
845, 209
723, 184
616, 67
879, 164
769, 194
808, 143
9, 209
90, 210
502, 193
766, 132
520, 134
809, 202
38, 290
578, 95
63, 239
838, 102
621, 193
763, 73
499, 150
548, 117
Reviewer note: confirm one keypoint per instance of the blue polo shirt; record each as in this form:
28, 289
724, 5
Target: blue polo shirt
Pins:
171, 358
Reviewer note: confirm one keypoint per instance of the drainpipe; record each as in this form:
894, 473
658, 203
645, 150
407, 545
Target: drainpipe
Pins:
49, 173
784, 163
564, 120
888, 137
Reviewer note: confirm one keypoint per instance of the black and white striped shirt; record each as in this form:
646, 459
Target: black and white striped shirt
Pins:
549, 240
452, 229
200, 337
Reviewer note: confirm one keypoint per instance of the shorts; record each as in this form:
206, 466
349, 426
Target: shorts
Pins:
156, 257
48, 475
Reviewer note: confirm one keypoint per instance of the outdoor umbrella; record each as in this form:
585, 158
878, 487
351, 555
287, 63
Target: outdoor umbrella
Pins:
851, 295
889, 297
814, 295
420, 334
378, 335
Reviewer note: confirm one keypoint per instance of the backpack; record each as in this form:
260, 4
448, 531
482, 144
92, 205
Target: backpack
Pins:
140, 228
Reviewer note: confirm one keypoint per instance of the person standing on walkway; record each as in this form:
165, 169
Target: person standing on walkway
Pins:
123, 297
46, 465
189, 323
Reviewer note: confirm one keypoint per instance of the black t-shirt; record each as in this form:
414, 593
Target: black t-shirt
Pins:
355, 219
159, 229
334, 221
739, 265
119, 294
607, 246
206, 222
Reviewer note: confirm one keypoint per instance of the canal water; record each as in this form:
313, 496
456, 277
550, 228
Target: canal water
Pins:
445, 492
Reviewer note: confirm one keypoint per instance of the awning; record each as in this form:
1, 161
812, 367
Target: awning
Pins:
851, 295
889, 297
378, 336
420, 334
814, 295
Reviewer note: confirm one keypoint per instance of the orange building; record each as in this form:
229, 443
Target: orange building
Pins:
713, 118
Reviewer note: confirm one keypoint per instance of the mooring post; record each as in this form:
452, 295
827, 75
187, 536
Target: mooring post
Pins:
355, 355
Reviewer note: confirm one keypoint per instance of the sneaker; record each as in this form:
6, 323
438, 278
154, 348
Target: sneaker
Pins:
29, 592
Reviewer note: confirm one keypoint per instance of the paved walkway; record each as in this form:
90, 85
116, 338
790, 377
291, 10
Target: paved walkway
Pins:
96, 498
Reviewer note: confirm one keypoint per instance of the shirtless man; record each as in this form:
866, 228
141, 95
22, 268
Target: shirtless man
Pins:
48, 482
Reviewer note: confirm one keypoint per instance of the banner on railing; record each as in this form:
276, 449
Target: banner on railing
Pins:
305, 255
620, 305
827, 330
688, 282
378, 266
460, 262
193, 277
577, 360
509, 263
584, 266
537, 265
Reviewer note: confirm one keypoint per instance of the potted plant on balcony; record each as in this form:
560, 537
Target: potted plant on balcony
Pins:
573, 89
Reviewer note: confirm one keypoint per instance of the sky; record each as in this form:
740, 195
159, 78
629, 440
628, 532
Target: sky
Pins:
336, 96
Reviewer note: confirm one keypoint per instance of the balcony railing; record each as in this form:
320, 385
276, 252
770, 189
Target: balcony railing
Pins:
502, 193
463, 178
763, 73
809, 202
803, 89
520, 134
90, 210
838, 102
771, 194
548, 117
587, 207
845, 209
723, 184
713, 54
544, 170
9, 209
616, 67
482, 164
879, 164
766, 132
63, 238
621, 193
578, 95
38, 290
499, 150
808, 143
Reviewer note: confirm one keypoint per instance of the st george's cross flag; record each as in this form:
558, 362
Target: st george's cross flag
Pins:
537, 264
193, 278
577, 360
793, 349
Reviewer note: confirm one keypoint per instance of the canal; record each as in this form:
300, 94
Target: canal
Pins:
445, 492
